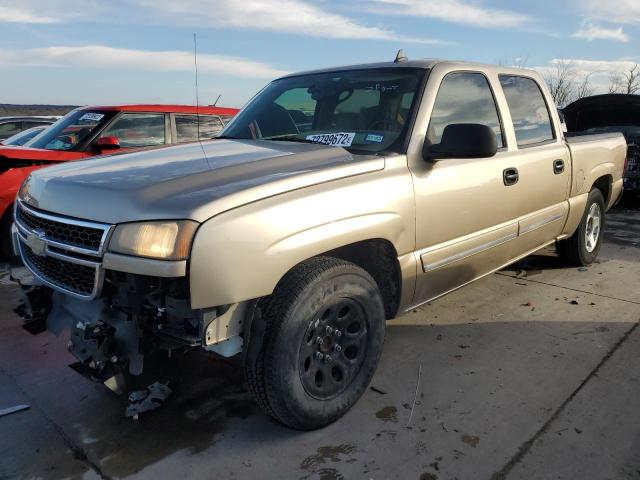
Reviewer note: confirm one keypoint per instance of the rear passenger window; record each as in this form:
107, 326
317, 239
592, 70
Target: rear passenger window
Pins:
187, 127
464, 98
529, 111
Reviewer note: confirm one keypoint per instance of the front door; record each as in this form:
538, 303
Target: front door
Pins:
465, 215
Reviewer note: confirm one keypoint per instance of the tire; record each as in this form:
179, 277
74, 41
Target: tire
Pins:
582, 247
315, 343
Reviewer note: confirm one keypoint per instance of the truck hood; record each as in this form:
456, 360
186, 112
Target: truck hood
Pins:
195, 181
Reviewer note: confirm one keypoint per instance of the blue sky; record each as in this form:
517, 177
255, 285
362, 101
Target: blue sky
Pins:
91, 51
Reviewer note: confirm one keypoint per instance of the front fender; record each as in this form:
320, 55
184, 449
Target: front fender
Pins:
242, 254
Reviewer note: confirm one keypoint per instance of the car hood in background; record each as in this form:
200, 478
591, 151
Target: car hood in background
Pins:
194, 181
38, 154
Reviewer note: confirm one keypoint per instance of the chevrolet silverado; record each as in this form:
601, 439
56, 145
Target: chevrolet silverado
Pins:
335, 200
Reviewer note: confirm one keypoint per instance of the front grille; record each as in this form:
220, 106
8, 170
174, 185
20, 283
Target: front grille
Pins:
72, 277
59, 231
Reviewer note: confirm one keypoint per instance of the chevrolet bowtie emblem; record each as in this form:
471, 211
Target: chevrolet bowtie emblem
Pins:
37, 243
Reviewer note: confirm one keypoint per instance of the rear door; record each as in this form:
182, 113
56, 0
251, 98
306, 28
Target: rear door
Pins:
542, 161
465, 216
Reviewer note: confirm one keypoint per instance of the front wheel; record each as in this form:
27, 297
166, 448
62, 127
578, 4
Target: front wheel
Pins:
582, 247
321, 338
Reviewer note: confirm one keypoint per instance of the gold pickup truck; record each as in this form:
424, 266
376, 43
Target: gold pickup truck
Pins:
335, 200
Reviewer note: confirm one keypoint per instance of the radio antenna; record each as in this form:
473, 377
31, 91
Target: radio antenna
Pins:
216, 102
195, 63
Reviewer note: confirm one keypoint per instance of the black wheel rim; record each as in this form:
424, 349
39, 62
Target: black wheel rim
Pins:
333, 348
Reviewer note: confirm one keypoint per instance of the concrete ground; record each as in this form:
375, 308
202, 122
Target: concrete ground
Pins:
530, 373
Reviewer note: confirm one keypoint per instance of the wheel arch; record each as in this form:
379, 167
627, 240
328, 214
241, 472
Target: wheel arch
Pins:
379, 258
604, 183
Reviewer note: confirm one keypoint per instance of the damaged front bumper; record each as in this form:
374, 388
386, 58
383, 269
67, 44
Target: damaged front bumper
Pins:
133, 318
118, 308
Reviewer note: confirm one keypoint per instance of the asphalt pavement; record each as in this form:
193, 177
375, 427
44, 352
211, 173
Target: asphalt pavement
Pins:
529, 373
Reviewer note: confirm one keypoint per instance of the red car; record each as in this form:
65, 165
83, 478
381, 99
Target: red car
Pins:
90, 131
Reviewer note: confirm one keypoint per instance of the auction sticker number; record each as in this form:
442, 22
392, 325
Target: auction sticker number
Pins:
95, 117
340, 139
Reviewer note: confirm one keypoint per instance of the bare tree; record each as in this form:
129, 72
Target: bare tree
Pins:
561, 82
625, 82
567, 84
615, 82
585, 88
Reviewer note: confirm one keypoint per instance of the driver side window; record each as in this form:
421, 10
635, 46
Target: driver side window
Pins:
138, 129
464, 97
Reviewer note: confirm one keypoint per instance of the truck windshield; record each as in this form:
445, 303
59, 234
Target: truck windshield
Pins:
363, 110
71, 130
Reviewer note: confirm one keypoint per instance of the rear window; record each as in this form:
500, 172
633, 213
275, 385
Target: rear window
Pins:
529, 111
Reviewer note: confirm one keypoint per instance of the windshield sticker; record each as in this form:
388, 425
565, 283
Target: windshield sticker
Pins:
96, 117
339, 139
373, 138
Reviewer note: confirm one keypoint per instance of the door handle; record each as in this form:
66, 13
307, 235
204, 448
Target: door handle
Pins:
510, 176
558, 166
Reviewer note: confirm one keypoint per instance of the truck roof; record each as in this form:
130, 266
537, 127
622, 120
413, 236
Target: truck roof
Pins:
425, 64
203, 109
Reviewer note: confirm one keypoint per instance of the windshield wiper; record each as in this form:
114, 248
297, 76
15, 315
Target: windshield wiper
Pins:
289, 138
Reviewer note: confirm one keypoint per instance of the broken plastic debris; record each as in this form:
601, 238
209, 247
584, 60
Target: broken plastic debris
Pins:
153, 397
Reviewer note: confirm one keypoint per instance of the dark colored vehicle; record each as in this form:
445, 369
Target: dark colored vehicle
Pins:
611, 113
20, 139
9, 126
98, 130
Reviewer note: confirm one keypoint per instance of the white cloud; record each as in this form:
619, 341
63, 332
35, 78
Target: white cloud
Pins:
619, 11
589, 31
454, 11
97, 56
58, 11
21, 15
288, 16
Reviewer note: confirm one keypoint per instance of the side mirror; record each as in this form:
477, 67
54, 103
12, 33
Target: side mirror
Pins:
107, 143
463, 140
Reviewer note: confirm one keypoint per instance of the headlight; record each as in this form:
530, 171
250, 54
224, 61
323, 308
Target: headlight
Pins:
167, 240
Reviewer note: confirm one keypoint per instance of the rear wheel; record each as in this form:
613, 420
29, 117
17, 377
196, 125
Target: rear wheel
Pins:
583, 246
322, 336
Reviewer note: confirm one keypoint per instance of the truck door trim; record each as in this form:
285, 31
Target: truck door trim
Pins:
461, 248
534, 226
